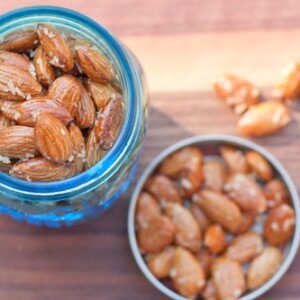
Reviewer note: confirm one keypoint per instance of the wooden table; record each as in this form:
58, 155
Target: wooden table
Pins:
182, 46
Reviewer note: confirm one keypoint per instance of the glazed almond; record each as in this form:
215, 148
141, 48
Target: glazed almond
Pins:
53, 139
259, 165
20, 41
147, 209
263, 267
158, 235
246, 193
44, 71
219, 209
214, 175
40, 169
245, 247
215, 239
18, 142
188, 233
264, 119
279, 225
186, 273
160, 264
94, 64
163, 188
56, 48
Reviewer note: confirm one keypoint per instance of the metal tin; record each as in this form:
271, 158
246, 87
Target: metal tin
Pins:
210, 142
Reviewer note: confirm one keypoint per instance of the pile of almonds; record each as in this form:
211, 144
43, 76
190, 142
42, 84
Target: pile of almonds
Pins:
61, 105
214, 226
259, 118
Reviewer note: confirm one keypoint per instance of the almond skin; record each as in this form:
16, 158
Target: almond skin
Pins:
219, 208
264, 267
16, 83
210, 291
147, 208
28, 111
11, 110
229, 278
264, 119
67, 90
40, 169
160, 264
52, 138
201, 218
18, 142
78, 146
246, 193
101, 93
235, 159
279, 225
259, 165
188, 233
163, 189
15, 59
248, 219
245, 247
215, 239
44, 71
108, 123
206, 259
4, 122
214, 175
186, 273
94, 64
20, 41
276, 193
86, 112
56, 48
158, 235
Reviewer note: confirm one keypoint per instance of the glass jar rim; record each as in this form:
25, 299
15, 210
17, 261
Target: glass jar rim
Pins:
88, 179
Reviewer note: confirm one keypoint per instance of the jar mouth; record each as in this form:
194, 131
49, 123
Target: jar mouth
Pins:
99, 172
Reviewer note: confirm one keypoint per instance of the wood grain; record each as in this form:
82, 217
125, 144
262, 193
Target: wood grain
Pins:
182, 45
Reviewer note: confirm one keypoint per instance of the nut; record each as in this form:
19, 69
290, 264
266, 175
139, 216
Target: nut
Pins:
214, 175
215, 239
206, 259
200, 216
275, 193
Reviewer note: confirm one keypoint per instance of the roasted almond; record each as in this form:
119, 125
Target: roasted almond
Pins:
4, 122
27, 112
246, 193
245, 247
279, 225
210, 291
101, 93
263, 267
186, 273
40, 169
228, 276
20, 41
206, 259
176, 162
237, 92
94, 64
44, 71
163, 188
235, 159
201, 218
17, 60
215, 238
66, 89
52, 138
56, 48
219, 208
160, 264
86, 112
147, 208
248, 219
214, 175
276, 193
93, 152
259, 165
264, 119
18, 142
108, 123
188, 233
158, 235
16, 83
78, 146
10, 109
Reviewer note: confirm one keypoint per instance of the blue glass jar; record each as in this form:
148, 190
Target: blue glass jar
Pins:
86, 195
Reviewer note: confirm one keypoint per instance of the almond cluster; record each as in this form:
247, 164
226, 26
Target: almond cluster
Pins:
214, 226
258, 118
61, 105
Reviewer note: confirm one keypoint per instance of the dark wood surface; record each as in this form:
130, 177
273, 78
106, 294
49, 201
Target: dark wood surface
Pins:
182, 45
